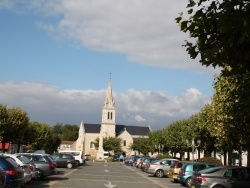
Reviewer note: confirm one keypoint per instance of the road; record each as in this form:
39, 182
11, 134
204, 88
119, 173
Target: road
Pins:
103, 175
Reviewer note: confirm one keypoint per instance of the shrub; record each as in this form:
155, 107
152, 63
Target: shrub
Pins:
164, 156
211, 160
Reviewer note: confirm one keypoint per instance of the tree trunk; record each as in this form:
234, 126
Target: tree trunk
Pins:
18, 146
214, 154
240, 156
3, 147
230, 156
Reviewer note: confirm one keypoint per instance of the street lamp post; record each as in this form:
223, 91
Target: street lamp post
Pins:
193, 145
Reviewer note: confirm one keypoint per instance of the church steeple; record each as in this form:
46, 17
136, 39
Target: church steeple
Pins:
108, 112
109, 100
108, 120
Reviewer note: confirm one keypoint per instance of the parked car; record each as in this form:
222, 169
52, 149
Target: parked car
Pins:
80, 159
175, 169
138, 162
25, 166
132, 160
116, 157
222, 176
187, 170
14, 172
159, 168
146, 161
141, 162
2, 178
45, 165
64, 160
126, 160
32, 166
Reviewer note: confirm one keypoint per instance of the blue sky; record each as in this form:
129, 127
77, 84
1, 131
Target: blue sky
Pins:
56, 57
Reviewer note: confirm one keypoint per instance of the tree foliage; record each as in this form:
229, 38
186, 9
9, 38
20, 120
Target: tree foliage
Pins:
66, 132
141, 145
221, 30
109, 143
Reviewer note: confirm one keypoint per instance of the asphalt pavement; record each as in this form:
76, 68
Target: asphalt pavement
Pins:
103, 175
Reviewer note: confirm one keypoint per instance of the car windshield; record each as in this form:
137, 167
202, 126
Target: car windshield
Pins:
24, 160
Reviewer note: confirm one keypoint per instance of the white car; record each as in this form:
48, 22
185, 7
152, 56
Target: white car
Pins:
29, 169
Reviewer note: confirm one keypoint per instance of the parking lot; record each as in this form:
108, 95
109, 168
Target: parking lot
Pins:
101, 174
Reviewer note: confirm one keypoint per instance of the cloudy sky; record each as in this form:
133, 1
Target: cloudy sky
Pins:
56, 57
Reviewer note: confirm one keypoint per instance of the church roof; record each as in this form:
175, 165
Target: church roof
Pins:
92, 128
132, 130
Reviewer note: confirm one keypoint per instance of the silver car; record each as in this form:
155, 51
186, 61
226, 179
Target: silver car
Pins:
45, 165
159, 168
222, 176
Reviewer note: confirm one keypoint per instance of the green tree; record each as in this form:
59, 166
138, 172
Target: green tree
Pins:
112, 144
109, 144
205, 122
141, 144
175, 136
221, 30
70, 132
52, 143
18, 121
57, 129
3, 124
231, 104
66, 132
41, 133
220, 35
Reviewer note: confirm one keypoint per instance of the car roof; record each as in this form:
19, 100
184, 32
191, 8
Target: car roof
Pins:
41, 154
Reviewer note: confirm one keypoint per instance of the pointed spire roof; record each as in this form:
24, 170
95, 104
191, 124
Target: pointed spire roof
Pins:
109, 101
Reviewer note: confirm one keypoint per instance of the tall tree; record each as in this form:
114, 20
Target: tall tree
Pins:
18, 121
52, 143
3, 124
42, 133
232, 107
70, 132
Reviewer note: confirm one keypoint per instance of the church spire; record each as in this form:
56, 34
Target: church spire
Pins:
109, 100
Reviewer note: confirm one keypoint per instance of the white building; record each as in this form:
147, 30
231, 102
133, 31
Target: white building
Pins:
108, 128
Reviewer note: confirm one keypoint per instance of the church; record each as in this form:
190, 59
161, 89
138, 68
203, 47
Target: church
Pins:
107, 128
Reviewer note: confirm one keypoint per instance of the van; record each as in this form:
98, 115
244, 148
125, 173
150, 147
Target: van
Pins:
106, 154
80, 160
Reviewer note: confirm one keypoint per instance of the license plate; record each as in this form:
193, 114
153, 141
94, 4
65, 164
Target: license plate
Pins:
192, 186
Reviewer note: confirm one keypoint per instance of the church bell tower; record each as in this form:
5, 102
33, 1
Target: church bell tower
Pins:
108, 120
108, 113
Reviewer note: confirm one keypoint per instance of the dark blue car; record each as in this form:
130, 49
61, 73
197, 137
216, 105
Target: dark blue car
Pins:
2, 178
14, 172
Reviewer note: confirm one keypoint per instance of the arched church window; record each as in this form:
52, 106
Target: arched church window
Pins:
108, 115
124, 143
111, 114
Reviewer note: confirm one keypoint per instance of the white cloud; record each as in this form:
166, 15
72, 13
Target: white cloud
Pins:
144, 30
49, 104
6, 4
